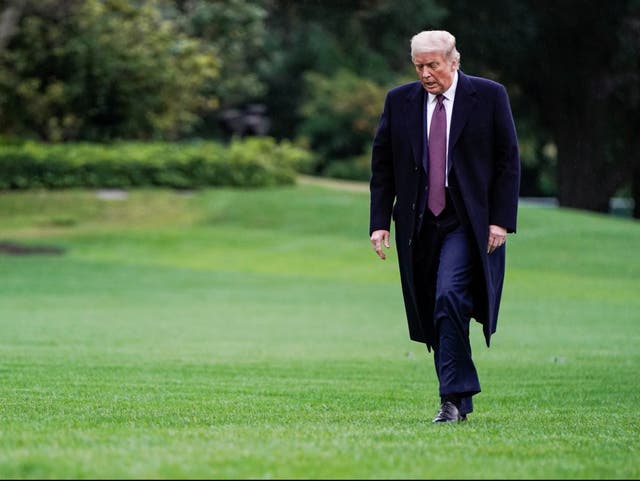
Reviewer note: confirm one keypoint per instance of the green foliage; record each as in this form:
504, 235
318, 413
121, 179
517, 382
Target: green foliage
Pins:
352, 168
98, 70
164, 69
250, 162
261, 161
540, 50
369, 39
538, 162
235, 30
340, 115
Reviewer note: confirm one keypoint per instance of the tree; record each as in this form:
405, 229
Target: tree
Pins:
101, 70
9, 17
573, 69
369, 38
339, 115
627, 103
236, 31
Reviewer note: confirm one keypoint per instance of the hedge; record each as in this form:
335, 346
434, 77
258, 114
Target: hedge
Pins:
248, 162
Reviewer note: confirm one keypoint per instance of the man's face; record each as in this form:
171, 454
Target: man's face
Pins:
434, 71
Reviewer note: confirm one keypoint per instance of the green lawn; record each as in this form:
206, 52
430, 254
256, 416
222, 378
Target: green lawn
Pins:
254, 334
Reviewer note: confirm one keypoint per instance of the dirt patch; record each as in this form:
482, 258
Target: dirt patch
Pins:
15, 249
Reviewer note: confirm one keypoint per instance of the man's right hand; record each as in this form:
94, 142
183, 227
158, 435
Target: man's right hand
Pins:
378, 237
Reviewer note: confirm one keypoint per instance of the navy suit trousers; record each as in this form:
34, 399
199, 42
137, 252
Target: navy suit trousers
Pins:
444, 272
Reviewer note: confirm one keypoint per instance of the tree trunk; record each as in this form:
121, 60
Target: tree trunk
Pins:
9, 22
635, 185
586, 180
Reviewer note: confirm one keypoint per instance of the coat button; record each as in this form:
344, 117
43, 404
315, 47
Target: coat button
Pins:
415, 168
410, 240
413, 206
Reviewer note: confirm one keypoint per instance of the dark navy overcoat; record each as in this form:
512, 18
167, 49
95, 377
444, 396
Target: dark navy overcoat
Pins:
483, 156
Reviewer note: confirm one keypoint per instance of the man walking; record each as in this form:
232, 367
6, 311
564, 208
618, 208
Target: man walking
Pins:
445, 167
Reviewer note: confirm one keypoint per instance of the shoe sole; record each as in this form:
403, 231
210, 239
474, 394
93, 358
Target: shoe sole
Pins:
460, 420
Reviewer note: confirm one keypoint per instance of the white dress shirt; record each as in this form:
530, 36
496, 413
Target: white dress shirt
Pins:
449, 96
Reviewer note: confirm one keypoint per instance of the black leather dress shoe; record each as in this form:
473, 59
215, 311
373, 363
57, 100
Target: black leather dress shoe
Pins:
449, 414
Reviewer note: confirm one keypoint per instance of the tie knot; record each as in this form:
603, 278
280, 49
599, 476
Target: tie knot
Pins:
440, 100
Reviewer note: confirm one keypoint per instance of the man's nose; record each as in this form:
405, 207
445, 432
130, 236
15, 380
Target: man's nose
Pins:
425, 72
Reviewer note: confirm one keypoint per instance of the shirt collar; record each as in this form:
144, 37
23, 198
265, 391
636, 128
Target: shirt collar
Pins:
450, 93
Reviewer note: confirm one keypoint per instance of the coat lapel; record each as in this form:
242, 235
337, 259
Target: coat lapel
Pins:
464, 103
414, 119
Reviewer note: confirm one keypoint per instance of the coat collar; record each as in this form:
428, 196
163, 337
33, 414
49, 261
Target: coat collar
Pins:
464, 103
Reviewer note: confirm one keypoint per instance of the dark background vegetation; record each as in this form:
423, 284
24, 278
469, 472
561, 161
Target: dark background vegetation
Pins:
315, 73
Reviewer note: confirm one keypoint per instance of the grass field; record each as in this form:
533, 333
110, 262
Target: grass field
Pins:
254, 334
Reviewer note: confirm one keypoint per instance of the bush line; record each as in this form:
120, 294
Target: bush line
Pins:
248, 162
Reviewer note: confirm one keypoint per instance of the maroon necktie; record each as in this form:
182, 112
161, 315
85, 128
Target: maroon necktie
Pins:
437, 157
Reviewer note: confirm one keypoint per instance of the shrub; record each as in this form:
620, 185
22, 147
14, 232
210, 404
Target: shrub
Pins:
249, 162
340, 114
354, 168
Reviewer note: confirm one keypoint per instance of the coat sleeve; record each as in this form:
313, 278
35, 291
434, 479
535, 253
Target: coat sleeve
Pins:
505, 187
382, 180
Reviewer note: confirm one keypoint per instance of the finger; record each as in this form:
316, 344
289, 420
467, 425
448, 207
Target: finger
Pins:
495, 242
376, 246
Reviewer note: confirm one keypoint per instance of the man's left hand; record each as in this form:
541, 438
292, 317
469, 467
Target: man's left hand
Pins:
497, 237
